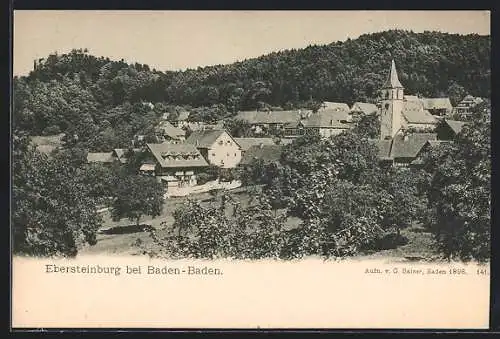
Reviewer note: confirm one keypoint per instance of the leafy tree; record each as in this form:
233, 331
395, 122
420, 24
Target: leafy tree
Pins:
368, 127
53, 214
135, 196
459, 192
238, 128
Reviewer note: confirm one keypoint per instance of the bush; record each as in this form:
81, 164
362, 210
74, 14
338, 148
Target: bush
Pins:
51, 130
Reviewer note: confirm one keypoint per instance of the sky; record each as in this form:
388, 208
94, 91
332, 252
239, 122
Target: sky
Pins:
175, 40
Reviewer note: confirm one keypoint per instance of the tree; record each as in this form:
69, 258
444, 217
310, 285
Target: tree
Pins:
238, 128
368, 127
136, 196
53, 214
459, 191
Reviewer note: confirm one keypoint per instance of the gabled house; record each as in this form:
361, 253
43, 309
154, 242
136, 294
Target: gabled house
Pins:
263, 120
402, 150
174, 165
334, 106
217, 146
166, 131
449, 129
463, 108
416, 118
181, 119
100, 157
327, 122
364, 108
121, 154
437, 106
430, 144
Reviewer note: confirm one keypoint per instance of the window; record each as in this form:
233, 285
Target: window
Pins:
234, 154
386, 106
213, 154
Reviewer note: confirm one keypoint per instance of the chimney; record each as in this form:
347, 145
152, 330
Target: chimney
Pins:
331, 122
261, 145
197, 143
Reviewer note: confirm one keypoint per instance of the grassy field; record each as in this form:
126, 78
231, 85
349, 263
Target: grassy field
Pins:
123, 237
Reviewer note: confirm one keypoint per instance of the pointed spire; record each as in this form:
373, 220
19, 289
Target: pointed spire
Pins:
392, 80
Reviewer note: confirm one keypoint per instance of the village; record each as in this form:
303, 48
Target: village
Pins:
408, 125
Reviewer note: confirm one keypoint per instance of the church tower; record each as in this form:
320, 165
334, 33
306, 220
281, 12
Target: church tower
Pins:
391, 105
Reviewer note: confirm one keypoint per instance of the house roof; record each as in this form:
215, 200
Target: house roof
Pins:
364, 107
267, 153
205, 138
411, 98
456, 126
100, 157
328, 119
246, 143
177, 155
120, 153
269, 117
392, 80
170, 130
436, 103
413, 113
336, 106
398, 147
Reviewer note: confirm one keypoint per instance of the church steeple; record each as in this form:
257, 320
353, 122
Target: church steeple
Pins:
393, 80
392, 103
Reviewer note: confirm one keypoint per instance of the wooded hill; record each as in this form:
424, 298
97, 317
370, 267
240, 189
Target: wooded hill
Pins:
87, 95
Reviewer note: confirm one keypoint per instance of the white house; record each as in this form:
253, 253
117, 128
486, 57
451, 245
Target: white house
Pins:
217, 147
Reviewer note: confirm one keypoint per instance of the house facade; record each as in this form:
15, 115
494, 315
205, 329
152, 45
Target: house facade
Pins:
327, 122
218, 147
463, 108
263, 121
174, 165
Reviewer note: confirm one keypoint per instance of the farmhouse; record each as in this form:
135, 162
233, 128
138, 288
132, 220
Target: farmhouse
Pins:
328, 122
122, 155
363, 108
437, 106
264, 120
181, 119
175, 165
100, 157
166, 131
217, 147
402, 150
334, 106
449, 129
464, 107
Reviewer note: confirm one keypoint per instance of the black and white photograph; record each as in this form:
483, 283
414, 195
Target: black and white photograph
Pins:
284, 136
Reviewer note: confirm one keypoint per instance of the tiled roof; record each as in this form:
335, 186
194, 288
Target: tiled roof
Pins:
364, 107
337, 106
166, 128
246, 143
204, 138
267, 153
177, 155
120, 153
456, 126
414, 114
328, 119
100, 157
436, 103
398, 147
270, 117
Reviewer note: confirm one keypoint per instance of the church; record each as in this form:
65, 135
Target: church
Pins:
405, 126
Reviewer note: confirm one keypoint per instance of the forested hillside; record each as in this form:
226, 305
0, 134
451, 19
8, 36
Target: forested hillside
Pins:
99, 100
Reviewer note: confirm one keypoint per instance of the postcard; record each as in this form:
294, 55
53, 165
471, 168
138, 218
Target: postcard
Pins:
251, 169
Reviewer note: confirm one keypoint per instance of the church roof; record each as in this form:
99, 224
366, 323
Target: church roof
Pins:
392, 79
